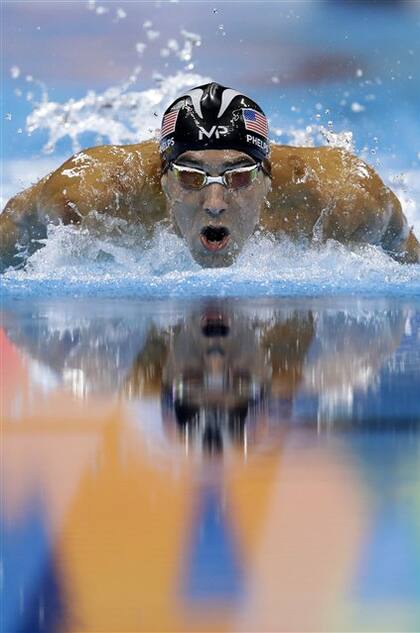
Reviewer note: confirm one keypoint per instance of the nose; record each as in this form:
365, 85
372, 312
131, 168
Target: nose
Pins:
214, 199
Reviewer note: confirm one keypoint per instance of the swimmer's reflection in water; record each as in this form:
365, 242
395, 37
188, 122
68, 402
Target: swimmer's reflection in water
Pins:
218, 372
216, 379
226, 375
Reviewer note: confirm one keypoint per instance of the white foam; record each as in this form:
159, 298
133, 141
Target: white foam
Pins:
119, 115
87, 261
77, 262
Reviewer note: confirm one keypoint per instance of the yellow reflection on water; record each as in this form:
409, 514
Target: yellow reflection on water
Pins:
136, 529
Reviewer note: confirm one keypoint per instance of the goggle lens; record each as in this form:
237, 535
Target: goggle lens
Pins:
237, 179
191, 179
233, 178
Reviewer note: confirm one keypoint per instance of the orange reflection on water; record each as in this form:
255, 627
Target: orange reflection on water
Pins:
143, 534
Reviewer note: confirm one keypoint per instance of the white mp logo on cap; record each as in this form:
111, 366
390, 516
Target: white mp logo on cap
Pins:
217, 130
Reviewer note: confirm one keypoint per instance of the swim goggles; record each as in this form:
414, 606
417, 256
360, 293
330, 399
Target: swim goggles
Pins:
239, 178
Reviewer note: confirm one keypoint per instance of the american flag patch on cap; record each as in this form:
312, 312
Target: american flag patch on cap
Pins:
255, 121
169, 123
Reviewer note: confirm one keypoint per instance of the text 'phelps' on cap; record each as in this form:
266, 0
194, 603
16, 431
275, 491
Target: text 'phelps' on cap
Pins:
214, 117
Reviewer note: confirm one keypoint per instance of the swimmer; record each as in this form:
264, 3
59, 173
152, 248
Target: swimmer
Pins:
215, 179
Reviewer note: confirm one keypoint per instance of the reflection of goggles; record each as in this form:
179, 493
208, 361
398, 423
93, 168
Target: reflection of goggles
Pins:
191, 178
226, 384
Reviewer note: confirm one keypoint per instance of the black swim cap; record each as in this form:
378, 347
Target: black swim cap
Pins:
213, 117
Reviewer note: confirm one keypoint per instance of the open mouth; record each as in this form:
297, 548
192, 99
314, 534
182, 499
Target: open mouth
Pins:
214, 325
215, 238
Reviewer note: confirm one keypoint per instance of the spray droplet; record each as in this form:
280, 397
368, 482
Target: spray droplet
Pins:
140, 46
172, 45
152, 35
14, 72
121, 14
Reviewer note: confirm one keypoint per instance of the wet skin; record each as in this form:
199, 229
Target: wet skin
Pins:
317, 194
216, 360
236, 211
217, 367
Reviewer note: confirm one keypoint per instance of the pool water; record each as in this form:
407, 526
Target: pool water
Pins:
210, 450
215, 464
330, 73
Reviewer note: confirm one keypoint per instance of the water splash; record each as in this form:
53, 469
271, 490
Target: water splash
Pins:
106, 256
117, 116
76, 262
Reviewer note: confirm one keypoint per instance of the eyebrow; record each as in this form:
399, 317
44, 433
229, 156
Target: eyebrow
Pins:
235, 162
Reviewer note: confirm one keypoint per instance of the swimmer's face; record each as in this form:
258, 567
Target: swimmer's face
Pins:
216, 360
215, 220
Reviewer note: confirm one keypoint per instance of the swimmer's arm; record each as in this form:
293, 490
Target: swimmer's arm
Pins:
369, 211
25, 217
78, 186
21, 227
398, 239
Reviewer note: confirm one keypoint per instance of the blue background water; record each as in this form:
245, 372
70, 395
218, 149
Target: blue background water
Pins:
308, 63
291, 55
314, 66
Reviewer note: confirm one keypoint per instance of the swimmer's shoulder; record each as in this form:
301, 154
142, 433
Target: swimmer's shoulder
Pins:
143, 157
109, 178
105, 165
330, 175
318, 165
